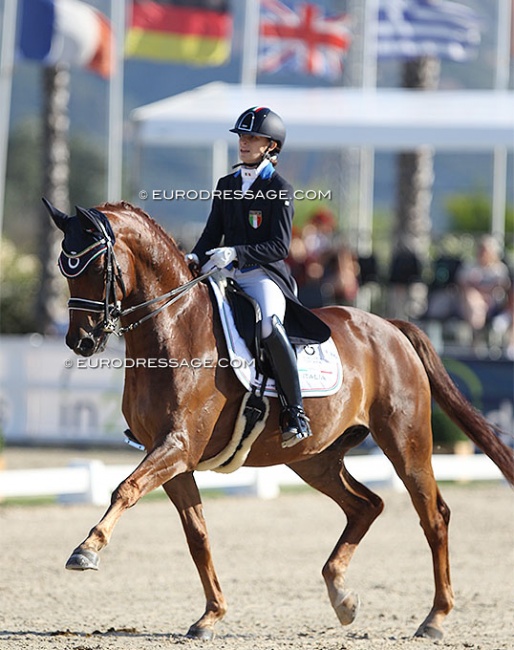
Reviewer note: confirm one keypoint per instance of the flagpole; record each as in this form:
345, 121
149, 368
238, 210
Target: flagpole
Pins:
6, 72
370, 45
250, 45
115, 135
503, 49
367, 154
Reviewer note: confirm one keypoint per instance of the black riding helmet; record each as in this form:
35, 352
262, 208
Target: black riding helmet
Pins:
260, 120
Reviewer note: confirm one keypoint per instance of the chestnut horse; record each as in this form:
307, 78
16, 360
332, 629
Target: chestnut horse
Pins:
138, 281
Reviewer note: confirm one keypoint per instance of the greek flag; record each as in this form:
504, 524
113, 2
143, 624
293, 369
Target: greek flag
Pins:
408, 29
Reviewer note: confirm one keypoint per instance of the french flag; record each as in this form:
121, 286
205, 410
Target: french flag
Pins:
65, 31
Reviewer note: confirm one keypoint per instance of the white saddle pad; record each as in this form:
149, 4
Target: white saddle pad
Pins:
319, 366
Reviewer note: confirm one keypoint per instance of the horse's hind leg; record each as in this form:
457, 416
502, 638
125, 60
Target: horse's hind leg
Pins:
183, 492
434, 518
327, 473
414, 467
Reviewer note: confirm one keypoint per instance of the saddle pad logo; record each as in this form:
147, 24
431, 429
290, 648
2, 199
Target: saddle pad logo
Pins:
255, 218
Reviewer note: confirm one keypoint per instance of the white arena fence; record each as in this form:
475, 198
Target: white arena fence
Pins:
93, 481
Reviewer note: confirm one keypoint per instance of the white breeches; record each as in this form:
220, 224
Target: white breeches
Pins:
267, 293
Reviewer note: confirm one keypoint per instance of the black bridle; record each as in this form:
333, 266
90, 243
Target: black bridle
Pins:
111, 308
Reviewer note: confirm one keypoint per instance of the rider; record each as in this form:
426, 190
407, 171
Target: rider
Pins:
248, 234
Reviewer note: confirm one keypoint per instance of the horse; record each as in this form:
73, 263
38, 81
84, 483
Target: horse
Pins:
133, 278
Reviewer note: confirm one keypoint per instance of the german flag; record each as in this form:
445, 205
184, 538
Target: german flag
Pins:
196, 32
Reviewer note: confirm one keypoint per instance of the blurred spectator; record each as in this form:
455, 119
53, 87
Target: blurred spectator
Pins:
406, 268
502, 324
324, 269
318, 233
305, 267
297, 260
341, 276
483, 285
368, 269
443, 291
407, 292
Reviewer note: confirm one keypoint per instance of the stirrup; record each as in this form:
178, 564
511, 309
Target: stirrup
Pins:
294, 425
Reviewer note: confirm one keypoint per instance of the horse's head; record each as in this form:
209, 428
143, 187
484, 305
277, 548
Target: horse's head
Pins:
88, 262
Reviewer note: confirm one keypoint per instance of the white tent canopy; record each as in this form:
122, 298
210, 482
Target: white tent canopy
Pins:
335, 118
330, 118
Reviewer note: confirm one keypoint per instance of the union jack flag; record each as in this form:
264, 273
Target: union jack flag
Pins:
304, 40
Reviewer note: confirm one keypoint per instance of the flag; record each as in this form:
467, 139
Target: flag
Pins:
188, 31
65, 31
302, 38
412, 28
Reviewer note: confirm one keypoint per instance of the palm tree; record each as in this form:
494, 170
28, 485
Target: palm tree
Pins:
56, 80
415, 176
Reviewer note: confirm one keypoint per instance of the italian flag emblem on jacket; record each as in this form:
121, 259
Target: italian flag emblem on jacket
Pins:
255, 218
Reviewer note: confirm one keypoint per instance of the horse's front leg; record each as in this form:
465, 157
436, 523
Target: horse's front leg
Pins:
183, 492
159, 466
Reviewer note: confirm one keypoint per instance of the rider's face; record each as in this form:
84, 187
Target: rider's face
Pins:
252, 147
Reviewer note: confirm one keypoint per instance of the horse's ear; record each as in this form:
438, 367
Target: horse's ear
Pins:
58, 217
94, 221
85, 220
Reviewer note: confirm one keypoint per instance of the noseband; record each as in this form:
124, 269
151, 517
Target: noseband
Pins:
110, 307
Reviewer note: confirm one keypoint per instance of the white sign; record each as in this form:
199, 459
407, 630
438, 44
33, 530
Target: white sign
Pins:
47, 396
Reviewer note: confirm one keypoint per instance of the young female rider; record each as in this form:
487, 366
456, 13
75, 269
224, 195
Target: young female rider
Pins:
248, 234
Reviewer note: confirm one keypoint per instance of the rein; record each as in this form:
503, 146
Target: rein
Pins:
111, 308
170, 297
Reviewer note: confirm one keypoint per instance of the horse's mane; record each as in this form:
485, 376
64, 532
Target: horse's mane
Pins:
127, 209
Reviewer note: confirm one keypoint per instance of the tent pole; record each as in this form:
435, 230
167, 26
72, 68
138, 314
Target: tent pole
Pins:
6, 72
250, 43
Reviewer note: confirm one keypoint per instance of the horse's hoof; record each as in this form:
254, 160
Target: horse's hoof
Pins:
429, 632
200, 633
347, 607
80, 560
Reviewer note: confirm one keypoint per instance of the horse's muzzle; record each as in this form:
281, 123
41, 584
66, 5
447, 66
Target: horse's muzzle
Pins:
84, 345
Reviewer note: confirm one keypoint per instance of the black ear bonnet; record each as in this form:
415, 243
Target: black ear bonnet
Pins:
86, 236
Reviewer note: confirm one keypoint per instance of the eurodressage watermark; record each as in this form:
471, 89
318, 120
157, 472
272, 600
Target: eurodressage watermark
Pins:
233, 195
115, 363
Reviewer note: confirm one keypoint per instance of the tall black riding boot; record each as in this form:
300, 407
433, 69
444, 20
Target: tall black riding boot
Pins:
279, 351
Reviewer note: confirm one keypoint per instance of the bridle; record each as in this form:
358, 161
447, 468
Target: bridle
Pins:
110, 306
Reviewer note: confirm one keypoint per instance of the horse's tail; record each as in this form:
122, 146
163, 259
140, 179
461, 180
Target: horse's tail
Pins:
455, 405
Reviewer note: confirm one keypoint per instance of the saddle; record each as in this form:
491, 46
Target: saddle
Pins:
247, 319
319, 365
